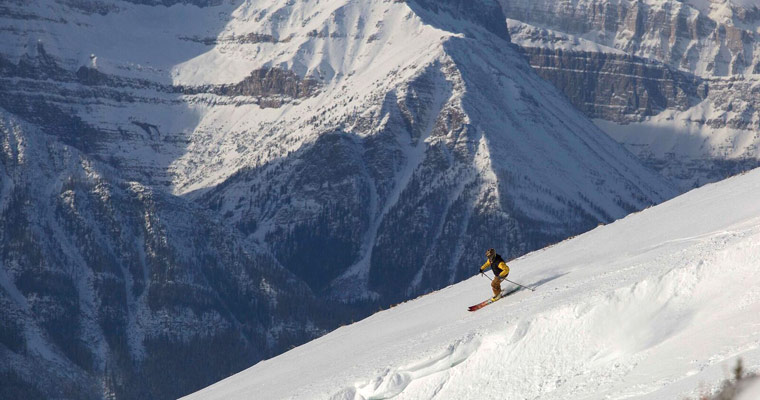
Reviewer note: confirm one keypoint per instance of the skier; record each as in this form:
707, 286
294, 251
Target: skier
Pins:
500, 271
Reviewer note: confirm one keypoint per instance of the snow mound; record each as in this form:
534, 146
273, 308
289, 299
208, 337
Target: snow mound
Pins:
656, 306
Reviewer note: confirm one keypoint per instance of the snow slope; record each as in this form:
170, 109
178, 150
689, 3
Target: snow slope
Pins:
657, 305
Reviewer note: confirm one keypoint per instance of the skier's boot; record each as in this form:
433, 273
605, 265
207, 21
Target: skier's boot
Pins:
497, 297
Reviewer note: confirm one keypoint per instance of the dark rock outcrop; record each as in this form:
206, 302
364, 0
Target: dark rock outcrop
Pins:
617, 87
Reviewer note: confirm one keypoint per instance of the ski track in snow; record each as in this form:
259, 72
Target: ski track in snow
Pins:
658, 305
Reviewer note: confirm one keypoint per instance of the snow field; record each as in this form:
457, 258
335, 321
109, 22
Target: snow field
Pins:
658, 305
751, 392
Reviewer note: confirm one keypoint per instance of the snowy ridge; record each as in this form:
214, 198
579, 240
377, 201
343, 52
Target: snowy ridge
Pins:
358, 51
654, 306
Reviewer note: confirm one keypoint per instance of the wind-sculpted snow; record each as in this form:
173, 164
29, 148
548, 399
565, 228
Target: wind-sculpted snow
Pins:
393, 382
658, 305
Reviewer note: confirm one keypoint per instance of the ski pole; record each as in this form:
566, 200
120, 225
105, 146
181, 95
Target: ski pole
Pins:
529, 288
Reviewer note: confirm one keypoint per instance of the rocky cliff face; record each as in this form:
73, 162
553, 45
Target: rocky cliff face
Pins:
617, 87
706, 38
667, 68
186, 180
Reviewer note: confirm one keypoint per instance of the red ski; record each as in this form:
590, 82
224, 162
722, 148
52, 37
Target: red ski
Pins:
504, 294
481, 305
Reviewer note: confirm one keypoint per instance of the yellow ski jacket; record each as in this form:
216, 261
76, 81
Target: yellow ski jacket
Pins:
500, 268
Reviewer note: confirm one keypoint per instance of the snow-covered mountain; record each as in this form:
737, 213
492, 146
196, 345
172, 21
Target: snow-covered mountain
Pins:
111, 288
658, 305
675, 81
413, 155
181, 175
451, 132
